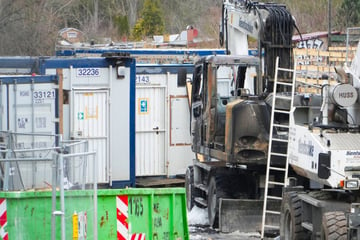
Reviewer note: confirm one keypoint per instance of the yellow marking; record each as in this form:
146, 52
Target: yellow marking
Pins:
91, 112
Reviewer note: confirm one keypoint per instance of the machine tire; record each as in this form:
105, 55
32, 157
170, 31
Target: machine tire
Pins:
334, 226
213, 204
189, 186
290, 219
215, 192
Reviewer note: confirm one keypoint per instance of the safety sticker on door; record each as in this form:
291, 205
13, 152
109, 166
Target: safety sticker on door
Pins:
143, 107
80, 115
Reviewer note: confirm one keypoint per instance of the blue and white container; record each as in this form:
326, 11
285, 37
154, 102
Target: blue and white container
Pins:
98, 105
93, 99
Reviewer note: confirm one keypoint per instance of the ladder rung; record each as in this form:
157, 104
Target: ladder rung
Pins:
279, 154
274, 198
277, 169
281, 125
281, 111
283, 97
201, 201
286, 69
266, 227
277, 183
272, 227
284, 83
201, 187
273, 212
280, 140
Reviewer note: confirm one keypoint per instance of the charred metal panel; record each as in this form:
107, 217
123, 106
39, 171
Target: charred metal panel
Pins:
247, 132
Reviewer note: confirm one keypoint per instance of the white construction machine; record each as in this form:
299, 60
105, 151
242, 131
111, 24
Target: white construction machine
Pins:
267, 158
322, 198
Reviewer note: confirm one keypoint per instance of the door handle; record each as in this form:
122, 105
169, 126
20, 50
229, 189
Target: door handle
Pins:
157, 129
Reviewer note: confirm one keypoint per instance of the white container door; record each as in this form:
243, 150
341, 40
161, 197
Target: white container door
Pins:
90, 122
180, 122
150, 130
31, 115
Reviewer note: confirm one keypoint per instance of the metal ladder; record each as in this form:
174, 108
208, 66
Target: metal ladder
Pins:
277, 161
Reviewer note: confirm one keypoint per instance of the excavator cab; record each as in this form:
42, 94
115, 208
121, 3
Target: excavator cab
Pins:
229, 122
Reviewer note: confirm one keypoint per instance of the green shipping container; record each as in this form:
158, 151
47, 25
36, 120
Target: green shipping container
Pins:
139, 213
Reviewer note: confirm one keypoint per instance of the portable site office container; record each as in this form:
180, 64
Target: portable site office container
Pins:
98, 105
95, 101
29, 104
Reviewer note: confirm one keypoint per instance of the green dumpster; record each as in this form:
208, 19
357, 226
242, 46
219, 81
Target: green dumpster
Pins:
134, 213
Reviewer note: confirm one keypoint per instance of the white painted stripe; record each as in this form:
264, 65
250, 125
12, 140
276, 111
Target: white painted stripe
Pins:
2, 207
122, 230
122, 207
139, 236
2, 231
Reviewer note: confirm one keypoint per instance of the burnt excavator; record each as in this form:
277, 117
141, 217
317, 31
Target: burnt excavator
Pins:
230, 103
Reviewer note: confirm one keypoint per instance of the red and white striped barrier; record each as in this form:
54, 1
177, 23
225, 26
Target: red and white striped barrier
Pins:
122, 217
138, 236
3, 219
122, 211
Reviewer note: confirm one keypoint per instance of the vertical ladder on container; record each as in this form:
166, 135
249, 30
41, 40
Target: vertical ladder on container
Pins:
277, 161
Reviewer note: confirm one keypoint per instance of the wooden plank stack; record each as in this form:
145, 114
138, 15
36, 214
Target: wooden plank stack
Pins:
314, 64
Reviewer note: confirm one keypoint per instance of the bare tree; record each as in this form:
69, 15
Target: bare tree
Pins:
30, 27
10, 11
27, 26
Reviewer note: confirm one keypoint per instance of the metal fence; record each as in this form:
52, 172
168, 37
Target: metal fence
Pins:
41, 162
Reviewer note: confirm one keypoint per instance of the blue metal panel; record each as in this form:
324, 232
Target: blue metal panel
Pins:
123, 184
22, 79
19, 62
132, 101
140, 52
145, 52
163, 68
81, 62
38, 65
